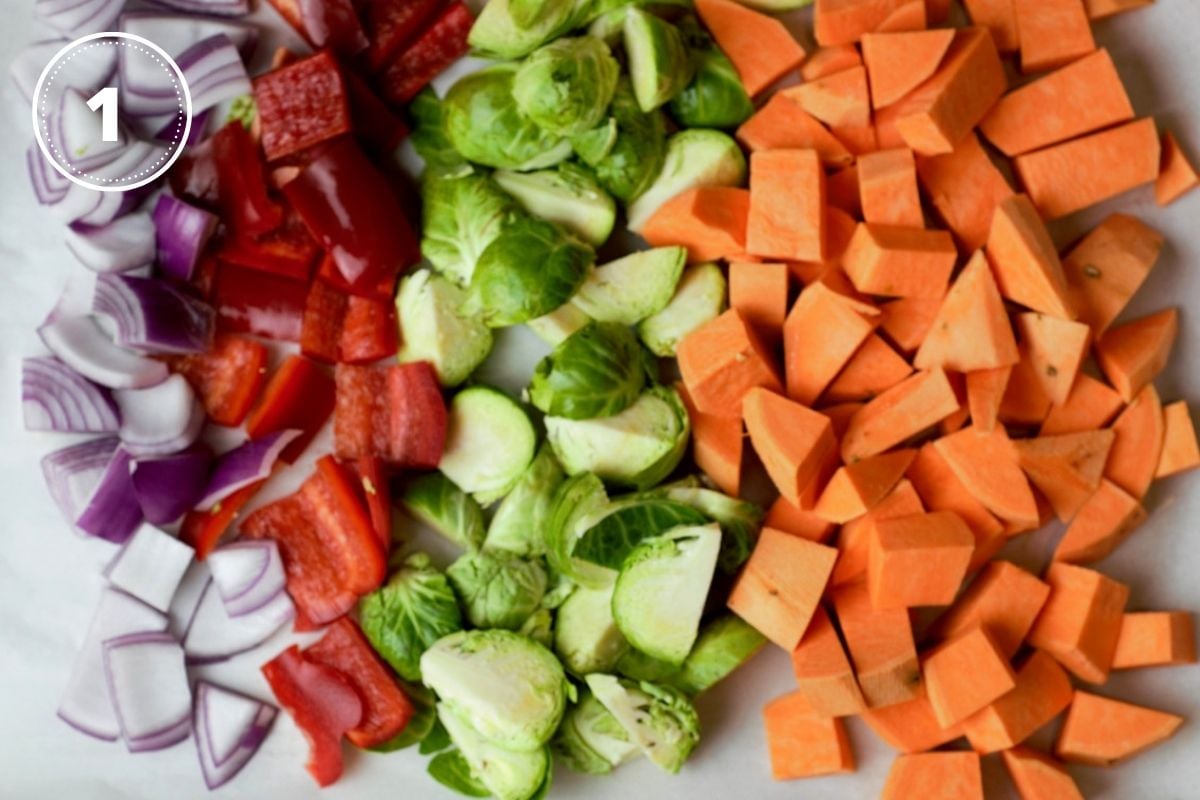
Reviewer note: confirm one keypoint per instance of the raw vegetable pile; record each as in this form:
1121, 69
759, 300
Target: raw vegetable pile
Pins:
923, 398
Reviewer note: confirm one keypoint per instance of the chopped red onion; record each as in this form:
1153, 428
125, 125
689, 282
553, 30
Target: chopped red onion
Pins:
112, 512
219, 8
168, 486
182, 231
73, 473
229, 727
77, 132
28, 65
150, 566
148, 684
214, 72
247, 463
83, 346
55, 397
215, 635
75, 18
187, 599
49, 185
154, 316
121, 245
164, 418
247, 574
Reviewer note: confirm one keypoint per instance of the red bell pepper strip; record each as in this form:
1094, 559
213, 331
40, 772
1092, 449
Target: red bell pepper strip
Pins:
333, 24
386, 709
246, 204
393, 24
369, 331
252, 301
382, 289
443, 43
330, 551
396, 413
228, 377
300, 395
380, 129
324, 318
323, 703
301, 105
376, 484
203, 529
352, 211
288, 250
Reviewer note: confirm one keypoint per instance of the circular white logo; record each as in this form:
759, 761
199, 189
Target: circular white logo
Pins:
119, 135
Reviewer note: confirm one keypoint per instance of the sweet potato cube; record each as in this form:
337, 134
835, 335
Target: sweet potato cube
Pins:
881, 646
1043, 691
721, 361
782, 124
987, 464
1090, 405
1141, 430
971, 331
887, 182
999, 18
1067, 469
872, 370
1180, 451
1107, 267
1177, 176
964, 187
935, 776
717, 443
1133, 354
1056, 349
1155, 639
760, 292
897, 63
1004, 600
1081, 620
823, 672
1052, 33
828, 60
857, 488
985, 393
803, 744
1025, 403
820, 336
900, 262
795, 443
787, 205
838, 99
907, 321
1106, 520
908, 408
855, 537
911, 726
919, 560
965, 674
761, 48
1037, 776
845, 21
1027, 267
1101, 731
789, 518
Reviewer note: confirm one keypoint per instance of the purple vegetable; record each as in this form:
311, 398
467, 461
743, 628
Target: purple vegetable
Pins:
229, 729
161, 419
148, 683
76, 132
216, 635
168, 486
219, 8
154, 316
187, 599
112, 512
75, 299
75, 18
28, 65
55, 397
73, 473
49, 185
150, 567
248, 463
121, 245
247, 574
181, 233
214, 71
85, 347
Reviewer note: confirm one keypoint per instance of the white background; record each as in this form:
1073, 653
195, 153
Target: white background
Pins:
49, 579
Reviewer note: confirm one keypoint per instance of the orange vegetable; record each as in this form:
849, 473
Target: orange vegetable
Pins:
1091, 405
795, 443
1037, 776
1081, 621
845, 21
985, 391
1098, 9
911, 726
872, 370
823, 672
909, 17
858, 139
897, 63
1066, 469
709, 221
722, 360
908, 408
787, 205
840, 415
858, 487
881, 646
1106, 268
964, 187
941, 490
1080, 98
821, 334
1155, 639
828, 60
971, 330
781, 585
1180, 451
1021, 252
1102, 731
841, 191
854, 540
937, 11
1056, 349
801, 743
887, 183
1068, 177
760, 292
900, 262
918, 560
935, 776
761, 48
717, 444
1004, 599
987, 465
1000, 18
1043, 691
1025, 402
965, 674
1133, 354
908, 320
782, 124
792, 519
1052, 33
841, 98
1136, 451
1177, 176
1102, 524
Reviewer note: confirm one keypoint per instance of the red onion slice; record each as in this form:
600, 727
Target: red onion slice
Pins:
75, 18
84, 347
73, 473
215, 635
181, 232
229, 727
55, 397
153, 315
150, 567
164, 418
123, 244
148, 684
77, 130
112, 512
248, 575
168, 486
247, 463
215, 72
187, 599
28, 65
49, 185
175, 33
220, 8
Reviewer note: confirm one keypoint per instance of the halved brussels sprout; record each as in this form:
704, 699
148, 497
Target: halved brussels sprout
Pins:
554, 328
699, 297
577, 501
606, 18
598, 371
509, 29
593, 146
633, 161
740, 521
660, 594
433, 329
465, 211
659, 64
440, 504
506, 774
520, 522
694, 158
632, 288
539, 627
716, 97
638, 666
485, 125
627, 522
586, 638
450, 769
723, 645
568, 195
489, 443
511, 688
497, 590
590, 739
662, 722
429, 137
566, 86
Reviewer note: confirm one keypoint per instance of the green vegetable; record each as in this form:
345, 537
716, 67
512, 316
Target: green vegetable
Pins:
532, 268
587, 639
577, 501
598, 371
560, 589
716, 97
699, 297
539, 627
740, 521
433, 329
489, 443
662, 722
420, 725
566, 86
243, 109
659, 63
429, 137
465, 212
486, 126
627, 523
660, 594
638, 447
511, 688
694, 158
450, 769
638, 666
505, 774
568, 195
593, 146
635, 158
555, 327
632, 288
497, 590
520, 522
406, 616
606, 18
509, 29
437, 739
435, 500
590, 740
723, 645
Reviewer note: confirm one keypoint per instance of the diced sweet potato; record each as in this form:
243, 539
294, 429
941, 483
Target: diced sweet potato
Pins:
935, 776
795, 443
823, 672
1043, 691
1106, 520
881, 646
964, 675
1102, 732
802, 743
919, 560
721, 361
1081, 620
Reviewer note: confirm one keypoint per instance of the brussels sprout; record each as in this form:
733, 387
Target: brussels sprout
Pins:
511, 688
716, 97
566, 86
464, 213
638, 447
408, 614
509, 29
555, 327
659, 64
485, 125
450, 769
429, 137
593, 146
633, 161
560, 589
433, 329
568, 195
590, 740
740, 521
439, 503
420, 725
606, 18
699, 297
629, 521
539, 627
497, 590
506, 774
586, 638
520, 522
694, 158
437, 739
532, 268
598, 371
489, 443
577, 501
632, 288
723, 645
662, 722
638, 666
660, 594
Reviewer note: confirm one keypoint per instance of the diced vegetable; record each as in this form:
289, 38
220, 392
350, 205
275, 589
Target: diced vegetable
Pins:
229, 729
568, 195
489, 443
396, 413
497, 590
660, 721
565, 87
521, 520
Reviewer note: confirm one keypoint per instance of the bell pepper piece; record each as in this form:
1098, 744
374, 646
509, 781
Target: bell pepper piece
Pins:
203, 529
251, 301
442, 43
396, 413
300, 396
227, 377
380, 129
333, 24
376, 484
382, 289
369, 331
242, 192
324, 318
302, 105
288, 250
393, 24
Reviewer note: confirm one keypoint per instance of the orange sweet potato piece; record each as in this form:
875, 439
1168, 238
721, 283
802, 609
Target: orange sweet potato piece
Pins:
999, 17
858, 139
987, 465
781, 585
919, 560
760, 292
1028, 270
1107, 266
782, 124
1133, 354
1025, 402
909, 17
1037, 776
1180, 451
908, 408
1177, 176
881, 646
1056, 349
1106, 520
871, 371
801, 743
1080, 98
1136, 451
717, 444
1071, 176
839, 99
710, 221
900, 262
985, 391
795, 444
887, 182
784, 516
1099, 9
787, 205
845, 21
897, 63
823, 672
840, 415
971, 330
965, 674
721, 361
857, 488
855, 537
1091, 405
1102, 731
828, 60
1081, 621
1052, 33
941, 490
761, 48
1004, 599
1043, 691
1066, 469
841, 192
964, 187
911, 726
1155, 639
821, 334
908, 320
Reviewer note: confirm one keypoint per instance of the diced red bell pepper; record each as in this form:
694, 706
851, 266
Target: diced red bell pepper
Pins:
288, 250
379, 128
333, 24
252, 301
299, 396
243, 194
324, 317
301, 105
377, 490
392, 24
443, 43
203, 529
396, 413
352, 211
227, 377
383, 289
330, 551
386, 709
324, 704
369, 331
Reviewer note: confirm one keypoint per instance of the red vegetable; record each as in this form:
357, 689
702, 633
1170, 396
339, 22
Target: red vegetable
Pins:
333, 24
378, 127
396, 413
340, 327
288, 250
203, 529
301, 105
300, 396
393, 24
382, 289
443, 43
242, 183
324, 314
376, 484
251, 301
